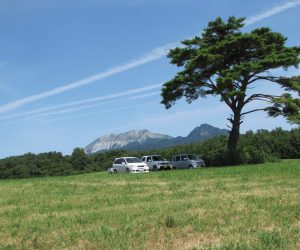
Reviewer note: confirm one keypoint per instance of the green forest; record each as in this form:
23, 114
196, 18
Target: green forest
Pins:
253, 148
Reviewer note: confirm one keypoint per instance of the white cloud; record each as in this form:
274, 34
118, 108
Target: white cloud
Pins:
157, 93
149, 57
90, 100
273, 11
40, 116
81, 115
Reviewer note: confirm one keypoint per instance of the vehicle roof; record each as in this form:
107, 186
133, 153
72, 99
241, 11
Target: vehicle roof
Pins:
125, 157
183, 154
150, 155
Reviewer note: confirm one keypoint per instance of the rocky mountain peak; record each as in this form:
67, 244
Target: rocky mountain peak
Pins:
145, 139
115, 141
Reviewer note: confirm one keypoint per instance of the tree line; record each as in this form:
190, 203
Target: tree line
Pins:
254, 147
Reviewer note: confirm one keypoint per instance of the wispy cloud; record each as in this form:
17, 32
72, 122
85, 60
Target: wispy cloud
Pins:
273, 11
149, 57
42, 121
80, 102
156, 93
41, 116
153, 55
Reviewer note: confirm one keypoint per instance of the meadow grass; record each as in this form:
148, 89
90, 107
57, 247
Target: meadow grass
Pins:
246, 207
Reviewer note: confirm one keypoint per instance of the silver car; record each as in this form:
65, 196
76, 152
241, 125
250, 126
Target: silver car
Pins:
189, 161
128, 165
156, 162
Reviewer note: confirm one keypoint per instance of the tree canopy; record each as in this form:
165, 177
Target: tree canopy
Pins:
225, 62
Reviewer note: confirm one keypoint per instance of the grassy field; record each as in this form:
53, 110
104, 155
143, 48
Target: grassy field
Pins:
247, 207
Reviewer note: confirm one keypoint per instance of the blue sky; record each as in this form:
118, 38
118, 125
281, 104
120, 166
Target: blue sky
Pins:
71, 71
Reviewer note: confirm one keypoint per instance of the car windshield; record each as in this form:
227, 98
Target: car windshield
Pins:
193, 157
157, 158
133, 160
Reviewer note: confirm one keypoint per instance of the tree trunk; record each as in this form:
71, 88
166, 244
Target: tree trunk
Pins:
234, 137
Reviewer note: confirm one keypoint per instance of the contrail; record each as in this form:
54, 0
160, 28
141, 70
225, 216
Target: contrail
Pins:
276, 10
90, 100
83, 115
41, 116
153, 55
144, 95
147, 58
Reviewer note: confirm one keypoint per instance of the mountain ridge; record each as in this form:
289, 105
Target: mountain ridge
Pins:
137, 140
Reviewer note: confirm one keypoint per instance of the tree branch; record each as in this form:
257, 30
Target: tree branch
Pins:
260, 97
226, 100
268, 78
212, 83
254, 110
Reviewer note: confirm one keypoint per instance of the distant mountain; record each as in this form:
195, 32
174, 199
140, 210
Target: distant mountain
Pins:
118, 141
136, 140
204, 132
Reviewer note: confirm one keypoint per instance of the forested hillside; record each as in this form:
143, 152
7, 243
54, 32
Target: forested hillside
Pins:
258, 147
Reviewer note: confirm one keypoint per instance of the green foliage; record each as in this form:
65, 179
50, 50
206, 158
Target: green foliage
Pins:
28, 165
286, 106
234, 59
226, 62
79, 159
253, 148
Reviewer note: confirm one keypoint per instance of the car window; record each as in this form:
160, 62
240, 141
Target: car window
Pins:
193, 157
177, 158
149, 159
157, 158
118, 161
133, 160
144, 158
184, 158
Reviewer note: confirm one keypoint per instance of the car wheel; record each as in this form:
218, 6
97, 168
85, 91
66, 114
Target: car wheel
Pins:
190, 167
155, 168
174, 168
127, 171
115, 171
